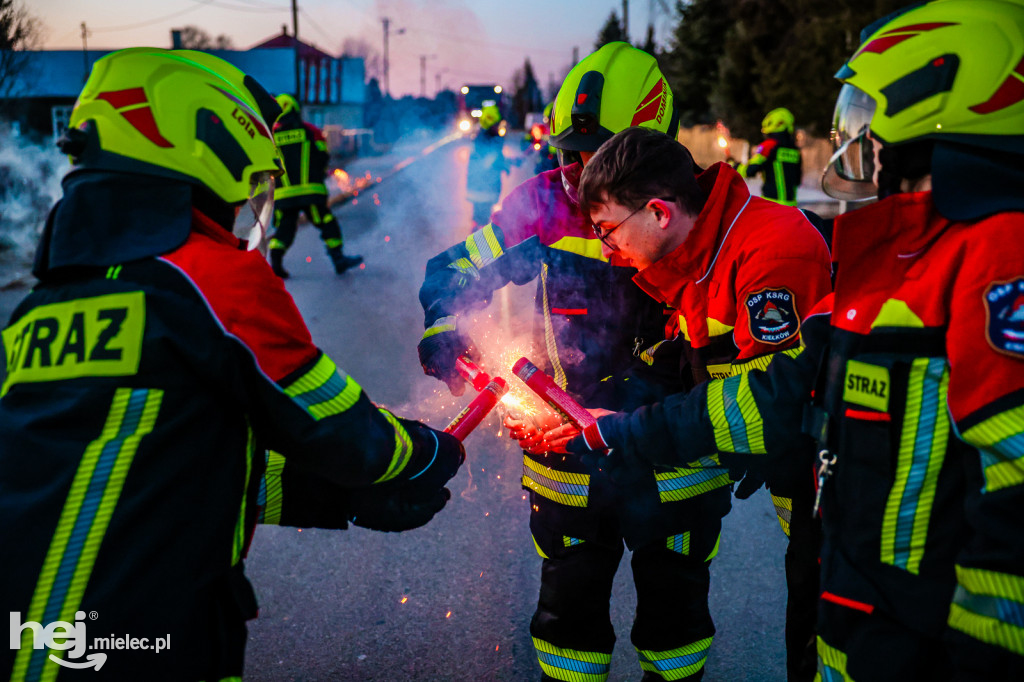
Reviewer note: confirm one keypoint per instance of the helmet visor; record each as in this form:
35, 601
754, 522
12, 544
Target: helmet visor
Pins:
850, 172
572, 168
255, 216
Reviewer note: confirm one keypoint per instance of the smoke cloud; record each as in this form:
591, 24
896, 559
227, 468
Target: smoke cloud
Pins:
30, 175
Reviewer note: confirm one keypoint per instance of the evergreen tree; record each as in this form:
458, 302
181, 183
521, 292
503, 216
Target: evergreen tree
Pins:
692, 60
610, 32
736, 60
649, 46
527, 96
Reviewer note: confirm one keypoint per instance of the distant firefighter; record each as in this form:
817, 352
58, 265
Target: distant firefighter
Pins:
486, 164
301, 189
776, 158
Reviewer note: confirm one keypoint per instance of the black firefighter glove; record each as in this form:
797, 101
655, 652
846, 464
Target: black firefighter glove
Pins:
750, 470
411, 500
442, 344
593, 449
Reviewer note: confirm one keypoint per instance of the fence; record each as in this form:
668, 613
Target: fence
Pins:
703, 143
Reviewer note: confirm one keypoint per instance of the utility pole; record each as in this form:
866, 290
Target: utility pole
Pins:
423, 72
575, 55
387, 85
295, 37
85, 53
625, 20
387, 62
437, 80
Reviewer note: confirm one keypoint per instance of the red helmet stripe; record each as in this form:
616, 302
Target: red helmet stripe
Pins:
649, 107
124, 98
880, 45
919, 28
143, 121
895, 36
1008, 94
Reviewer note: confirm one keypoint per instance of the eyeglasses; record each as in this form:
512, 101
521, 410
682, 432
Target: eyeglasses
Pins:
603, 236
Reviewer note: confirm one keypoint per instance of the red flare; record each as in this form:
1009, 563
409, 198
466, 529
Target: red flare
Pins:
472, 373
479, 408
546, 388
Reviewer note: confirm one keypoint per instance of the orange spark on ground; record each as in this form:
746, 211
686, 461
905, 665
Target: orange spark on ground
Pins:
405, 599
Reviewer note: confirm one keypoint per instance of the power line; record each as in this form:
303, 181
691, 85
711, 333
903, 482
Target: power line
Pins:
316, 25
243, 8
125, 27
199, 5
485, 43
261, 3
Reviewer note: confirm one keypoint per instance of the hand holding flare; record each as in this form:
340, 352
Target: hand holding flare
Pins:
549, 436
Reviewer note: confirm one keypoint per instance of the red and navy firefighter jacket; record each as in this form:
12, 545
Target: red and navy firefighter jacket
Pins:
137, 405
591, 317
748, 273
921, 385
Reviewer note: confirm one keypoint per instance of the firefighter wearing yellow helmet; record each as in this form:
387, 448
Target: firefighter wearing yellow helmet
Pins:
301, 189
139, 376
777, 158
590, 316
486, 165
912, 381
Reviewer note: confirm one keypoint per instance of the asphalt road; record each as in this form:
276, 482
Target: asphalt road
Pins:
452, 600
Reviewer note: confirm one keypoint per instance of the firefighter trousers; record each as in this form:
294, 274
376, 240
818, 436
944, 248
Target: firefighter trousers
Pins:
792, 491
286, 221
672, 630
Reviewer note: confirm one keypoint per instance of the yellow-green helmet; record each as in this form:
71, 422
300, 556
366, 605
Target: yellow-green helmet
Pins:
949, 70
287, 103
489, 116
777, 121
178, 114
614, 88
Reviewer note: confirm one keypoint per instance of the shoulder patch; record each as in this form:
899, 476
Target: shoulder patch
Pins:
1004, 316
772, 317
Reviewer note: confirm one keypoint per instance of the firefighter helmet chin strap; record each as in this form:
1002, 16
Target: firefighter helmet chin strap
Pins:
911, 161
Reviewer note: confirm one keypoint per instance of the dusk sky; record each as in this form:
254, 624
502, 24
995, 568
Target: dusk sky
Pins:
479, 41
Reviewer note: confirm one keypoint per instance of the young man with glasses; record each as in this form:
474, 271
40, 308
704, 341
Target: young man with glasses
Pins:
741, 272
590, 319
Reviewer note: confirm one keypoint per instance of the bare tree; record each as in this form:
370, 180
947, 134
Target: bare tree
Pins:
19, 32
360, 47
195, 38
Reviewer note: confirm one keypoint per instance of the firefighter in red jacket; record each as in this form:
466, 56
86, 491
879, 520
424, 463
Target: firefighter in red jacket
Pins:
777, 158
301, 189
741, 273
147, 372
913, 385
581, 517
